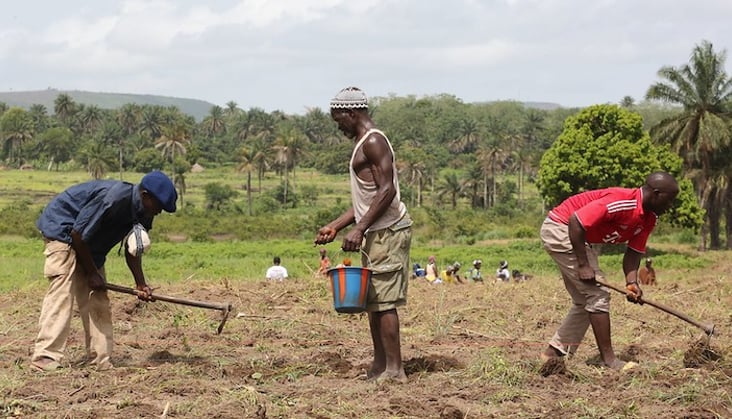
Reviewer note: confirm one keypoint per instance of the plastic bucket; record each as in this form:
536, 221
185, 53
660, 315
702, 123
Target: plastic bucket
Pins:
350, 287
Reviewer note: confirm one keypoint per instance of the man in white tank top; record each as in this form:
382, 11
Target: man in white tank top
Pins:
381, 228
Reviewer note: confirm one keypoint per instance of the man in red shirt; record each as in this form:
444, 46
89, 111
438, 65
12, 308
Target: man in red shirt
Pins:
604, 216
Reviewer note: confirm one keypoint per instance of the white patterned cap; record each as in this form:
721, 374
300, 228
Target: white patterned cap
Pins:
350, 98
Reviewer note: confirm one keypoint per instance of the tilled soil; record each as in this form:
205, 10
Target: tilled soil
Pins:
468, 351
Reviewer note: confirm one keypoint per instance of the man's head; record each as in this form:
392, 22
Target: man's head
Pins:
649, 262
323, 251
477, 263
346, 109
158, 193
276, 260
659, 192
503, 264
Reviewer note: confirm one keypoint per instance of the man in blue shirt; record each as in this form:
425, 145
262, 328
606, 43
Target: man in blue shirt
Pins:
80, 226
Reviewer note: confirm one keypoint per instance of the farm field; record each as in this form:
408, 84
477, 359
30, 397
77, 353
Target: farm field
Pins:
470, 350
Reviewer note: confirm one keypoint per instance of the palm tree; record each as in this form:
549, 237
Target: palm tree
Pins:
701, 130
261, 159
412, 169
91, 118
450, 186
16, 128
232, 108
246, 164
39, 114
215, 123
64, 107
98, 158
319, 127
489, 156
468, 136
289, 147
151, 121
128, 117
627, 102
180, 167
262, 125
173, 141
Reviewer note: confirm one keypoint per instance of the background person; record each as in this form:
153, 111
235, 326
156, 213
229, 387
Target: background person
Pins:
451, 274
647, 274
474, 274
381, 228
418, 271
80, 226
431, 272
324, 262
608, 216
502, 273
276, 272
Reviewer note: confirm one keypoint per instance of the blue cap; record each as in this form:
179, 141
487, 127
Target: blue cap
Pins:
162, 188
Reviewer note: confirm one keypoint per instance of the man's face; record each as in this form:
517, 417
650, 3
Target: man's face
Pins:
663, 200
345, 120
151, 204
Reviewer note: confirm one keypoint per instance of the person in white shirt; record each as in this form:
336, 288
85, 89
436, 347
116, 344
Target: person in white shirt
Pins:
502, 273
276, 272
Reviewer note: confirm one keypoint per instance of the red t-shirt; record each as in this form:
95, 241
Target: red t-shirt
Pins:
612, 215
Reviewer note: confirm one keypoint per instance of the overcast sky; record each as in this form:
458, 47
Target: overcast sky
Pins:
294, 54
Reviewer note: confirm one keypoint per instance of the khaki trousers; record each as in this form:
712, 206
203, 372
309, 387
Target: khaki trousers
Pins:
68, 284
587, 297
388, 258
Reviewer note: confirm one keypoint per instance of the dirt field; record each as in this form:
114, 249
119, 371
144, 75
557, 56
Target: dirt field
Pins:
471, 351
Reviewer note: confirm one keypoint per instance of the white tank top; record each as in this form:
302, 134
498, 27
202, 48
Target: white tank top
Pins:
363, 192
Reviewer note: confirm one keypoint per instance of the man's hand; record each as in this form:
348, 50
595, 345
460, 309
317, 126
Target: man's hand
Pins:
97, 281
325, 235
633, 293
352, 241
586, 273
144, 293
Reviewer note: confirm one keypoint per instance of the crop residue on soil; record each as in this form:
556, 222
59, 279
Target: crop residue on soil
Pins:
553, 366
700, 353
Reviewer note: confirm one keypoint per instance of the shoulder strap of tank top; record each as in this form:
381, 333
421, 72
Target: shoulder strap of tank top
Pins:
366, 135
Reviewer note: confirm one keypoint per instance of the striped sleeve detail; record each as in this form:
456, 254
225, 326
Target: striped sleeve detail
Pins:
623, 205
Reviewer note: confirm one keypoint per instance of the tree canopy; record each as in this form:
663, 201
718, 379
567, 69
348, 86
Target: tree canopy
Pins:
604, 146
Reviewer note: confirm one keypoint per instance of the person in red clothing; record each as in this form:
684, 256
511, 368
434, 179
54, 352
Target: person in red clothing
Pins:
603, 216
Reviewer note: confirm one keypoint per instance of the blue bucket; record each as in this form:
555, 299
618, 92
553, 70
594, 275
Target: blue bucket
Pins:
350, 287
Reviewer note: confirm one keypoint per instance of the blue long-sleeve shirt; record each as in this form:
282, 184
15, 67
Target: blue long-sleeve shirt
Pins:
102, 211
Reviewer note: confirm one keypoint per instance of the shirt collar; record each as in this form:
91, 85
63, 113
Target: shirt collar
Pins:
640, 201
137, 207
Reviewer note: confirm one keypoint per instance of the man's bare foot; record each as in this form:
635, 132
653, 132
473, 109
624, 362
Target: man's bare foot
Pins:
374, 372
392, 376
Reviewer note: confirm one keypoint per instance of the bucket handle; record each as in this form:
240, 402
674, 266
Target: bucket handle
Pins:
368, 259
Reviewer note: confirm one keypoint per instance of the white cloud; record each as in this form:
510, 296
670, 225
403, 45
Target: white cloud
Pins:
553, 50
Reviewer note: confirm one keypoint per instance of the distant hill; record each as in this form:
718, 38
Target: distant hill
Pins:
546, 106
194, 107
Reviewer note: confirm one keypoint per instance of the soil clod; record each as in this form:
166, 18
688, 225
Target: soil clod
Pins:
699, 354
553, 366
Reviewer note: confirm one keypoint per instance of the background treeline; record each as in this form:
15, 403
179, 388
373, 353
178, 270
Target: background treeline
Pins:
452, 156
